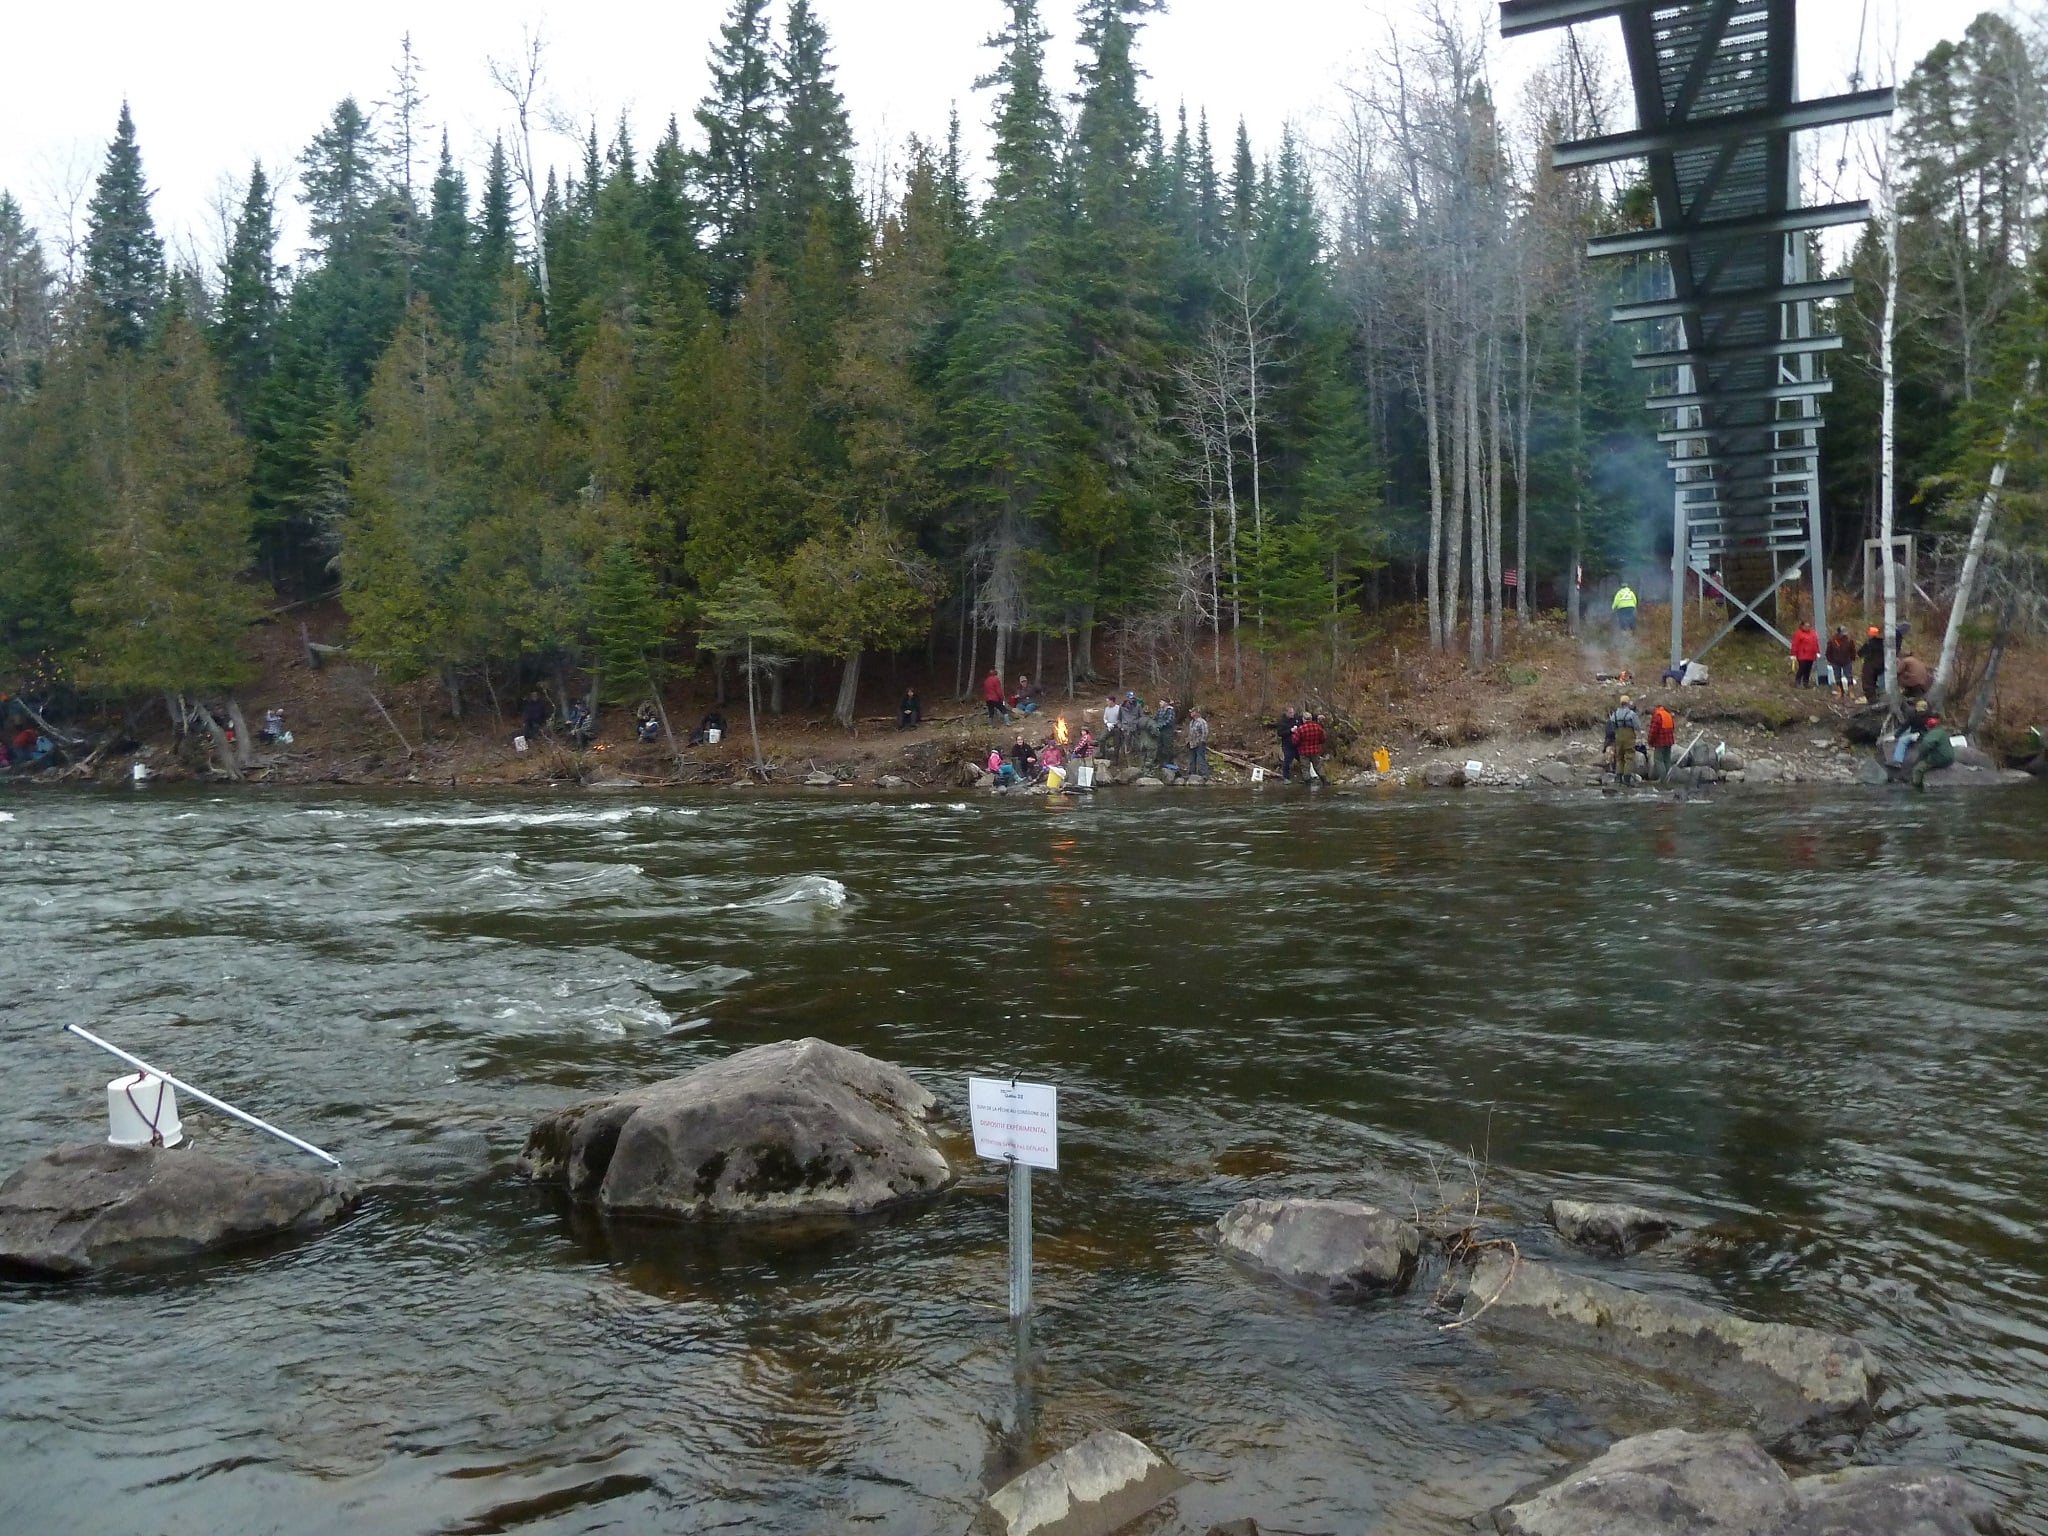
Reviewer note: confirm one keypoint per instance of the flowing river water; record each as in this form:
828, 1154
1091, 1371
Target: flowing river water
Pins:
1811, 1025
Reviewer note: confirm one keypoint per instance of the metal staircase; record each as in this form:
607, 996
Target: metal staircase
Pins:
1733, 354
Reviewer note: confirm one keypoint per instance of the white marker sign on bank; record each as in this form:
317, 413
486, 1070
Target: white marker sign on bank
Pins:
1017, 1122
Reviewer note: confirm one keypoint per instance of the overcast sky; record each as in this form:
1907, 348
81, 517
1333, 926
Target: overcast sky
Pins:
217, 85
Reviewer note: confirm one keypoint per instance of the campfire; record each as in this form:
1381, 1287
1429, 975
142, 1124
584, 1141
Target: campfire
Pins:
1059, 730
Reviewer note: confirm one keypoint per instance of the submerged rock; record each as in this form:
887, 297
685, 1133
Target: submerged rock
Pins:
798, 1128
1785, 1378
1092, 1488
1336, 1247
98, 1206
1677, 1483
1610, 1228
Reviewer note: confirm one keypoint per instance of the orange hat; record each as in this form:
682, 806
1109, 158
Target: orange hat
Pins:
1875, 630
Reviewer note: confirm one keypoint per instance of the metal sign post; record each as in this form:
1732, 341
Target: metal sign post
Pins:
1017, 1124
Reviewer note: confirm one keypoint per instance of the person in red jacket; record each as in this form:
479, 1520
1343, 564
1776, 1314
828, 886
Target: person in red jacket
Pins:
992, 696
1805, 652
1309, 737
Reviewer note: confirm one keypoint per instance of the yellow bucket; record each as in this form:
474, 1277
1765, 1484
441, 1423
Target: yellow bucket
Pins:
1382, 760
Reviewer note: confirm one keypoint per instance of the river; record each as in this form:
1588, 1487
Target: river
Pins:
1810, 1024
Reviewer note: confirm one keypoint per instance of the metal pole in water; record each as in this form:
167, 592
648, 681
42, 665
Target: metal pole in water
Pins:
264, 1125
1020, 1239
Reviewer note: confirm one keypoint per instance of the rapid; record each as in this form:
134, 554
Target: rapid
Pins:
1810, 1024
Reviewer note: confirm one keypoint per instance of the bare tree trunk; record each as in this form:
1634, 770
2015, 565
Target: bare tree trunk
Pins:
1475, 501
245, 746
753, 725
849, 692
1980, 708
1522, 459
1887, 440
1434, 435
1980, 532
1454, 520
1497, 405
223, 749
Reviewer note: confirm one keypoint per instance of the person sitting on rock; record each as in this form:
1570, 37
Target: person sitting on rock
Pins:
910, 712
1932, 748
1023, 760
581, 724
647, 725
1085, 747
1027, 696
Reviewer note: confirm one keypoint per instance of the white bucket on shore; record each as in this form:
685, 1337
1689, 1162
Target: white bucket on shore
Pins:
142, 1111
713, 736
139, 773
1084, 775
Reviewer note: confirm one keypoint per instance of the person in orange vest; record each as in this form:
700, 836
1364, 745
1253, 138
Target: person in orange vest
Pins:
1805, 652
1663, 736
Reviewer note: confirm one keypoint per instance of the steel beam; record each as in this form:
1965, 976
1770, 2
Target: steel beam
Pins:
1703, 132
1797, 391
1732, 298
1742, 429
1522, 16
1786, 221
1696, 356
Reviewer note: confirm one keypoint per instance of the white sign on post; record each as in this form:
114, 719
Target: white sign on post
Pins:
1015, 1122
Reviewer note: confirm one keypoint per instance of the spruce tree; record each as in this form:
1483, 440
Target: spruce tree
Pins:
28, 314
165, 605
448, 267
410, 485
124, 259
497, 249
737, 122
809, 181
245, 325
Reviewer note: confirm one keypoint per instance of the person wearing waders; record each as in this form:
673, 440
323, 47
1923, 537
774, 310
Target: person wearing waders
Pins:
1164, 723
1198, 745
1872, 657
1663, 737
1289, 720
1625, 609
1309, 737
1622, 727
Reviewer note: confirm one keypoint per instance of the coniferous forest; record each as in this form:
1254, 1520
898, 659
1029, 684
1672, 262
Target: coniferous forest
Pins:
1133, 377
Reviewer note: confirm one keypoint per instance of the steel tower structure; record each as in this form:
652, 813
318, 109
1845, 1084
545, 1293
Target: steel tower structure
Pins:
1735, 350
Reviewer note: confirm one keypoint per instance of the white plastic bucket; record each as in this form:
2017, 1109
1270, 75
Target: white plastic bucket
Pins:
518, 743
142, 1111
1258, 775
713, 735
1084, 775
139, 773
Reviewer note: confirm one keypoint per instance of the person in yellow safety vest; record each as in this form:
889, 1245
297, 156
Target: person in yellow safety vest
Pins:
1625, 609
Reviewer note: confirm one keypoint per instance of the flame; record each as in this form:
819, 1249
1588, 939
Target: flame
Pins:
1059, 731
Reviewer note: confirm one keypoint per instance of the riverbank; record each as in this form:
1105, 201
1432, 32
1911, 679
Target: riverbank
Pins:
1532, 718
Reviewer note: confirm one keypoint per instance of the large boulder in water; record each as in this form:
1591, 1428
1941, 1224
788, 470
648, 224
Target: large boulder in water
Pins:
1677, 1483
1336, 1247
1096, 1487
98, 1206
799, 1128
1787, 1380
1607, 1227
